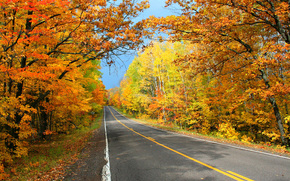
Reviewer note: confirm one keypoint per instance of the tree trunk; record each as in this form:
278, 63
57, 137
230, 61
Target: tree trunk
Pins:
11, 141
285, 141
42, 122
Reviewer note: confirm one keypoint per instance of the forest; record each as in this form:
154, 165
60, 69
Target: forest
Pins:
50, 58
222, 71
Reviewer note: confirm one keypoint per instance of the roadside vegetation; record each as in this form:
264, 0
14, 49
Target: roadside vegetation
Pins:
155, 87
50, 81
267, 147
47, 159
223, 70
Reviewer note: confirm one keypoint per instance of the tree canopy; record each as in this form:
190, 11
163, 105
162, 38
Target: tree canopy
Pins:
49, 64
234, 76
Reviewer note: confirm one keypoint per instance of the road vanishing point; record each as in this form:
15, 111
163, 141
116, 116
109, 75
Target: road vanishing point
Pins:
142, 153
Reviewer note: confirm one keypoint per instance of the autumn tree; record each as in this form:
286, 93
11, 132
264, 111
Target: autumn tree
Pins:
244, 48
47, 48
153, 85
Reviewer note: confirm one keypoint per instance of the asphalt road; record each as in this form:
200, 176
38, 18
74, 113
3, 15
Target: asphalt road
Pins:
142, 153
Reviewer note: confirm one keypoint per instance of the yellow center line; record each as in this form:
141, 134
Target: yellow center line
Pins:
151, 139
233, 176
238, 175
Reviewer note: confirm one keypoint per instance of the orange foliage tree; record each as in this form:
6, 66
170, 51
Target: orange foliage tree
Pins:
47, 48
243, 49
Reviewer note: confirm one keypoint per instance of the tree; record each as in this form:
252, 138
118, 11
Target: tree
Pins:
244, 48
47, 46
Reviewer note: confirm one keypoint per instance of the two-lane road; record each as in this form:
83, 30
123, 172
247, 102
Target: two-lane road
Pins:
139, 152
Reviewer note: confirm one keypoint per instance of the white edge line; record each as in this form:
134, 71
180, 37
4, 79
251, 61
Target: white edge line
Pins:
106, 172
214, 142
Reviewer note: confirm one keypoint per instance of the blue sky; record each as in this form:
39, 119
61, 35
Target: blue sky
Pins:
112, 76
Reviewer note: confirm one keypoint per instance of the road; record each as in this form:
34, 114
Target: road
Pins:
140, 153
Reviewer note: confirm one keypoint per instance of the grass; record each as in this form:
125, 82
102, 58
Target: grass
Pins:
277, 149
47, 160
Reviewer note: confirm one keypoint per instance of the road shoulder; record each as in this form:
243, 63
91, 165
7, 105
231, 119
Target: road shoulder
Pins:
90, 164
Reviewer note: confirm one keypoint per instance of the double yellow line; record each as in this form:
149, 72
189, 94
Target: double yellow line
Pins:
230, 174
